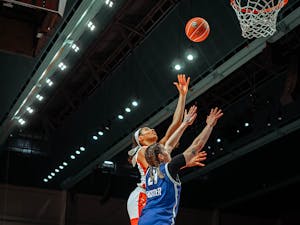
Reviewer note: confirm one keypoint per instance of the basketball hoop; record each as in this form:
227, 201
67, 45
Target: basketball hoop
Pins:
257, 17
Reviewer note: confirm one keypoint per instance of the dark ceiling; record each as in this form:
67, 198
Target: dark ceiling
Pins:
130, 56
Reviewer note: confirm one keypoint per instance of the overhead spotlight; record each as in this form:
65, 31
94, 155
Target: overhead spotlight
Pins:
190, 57
127, 109
91, 25
246, 124
238, 131
100, 133
29, 109
95, 137
21, 121
49, 177
177, 67
61, 167
49, 82
82, 149
72, 156
191, 54
75, 47
56, 170
120, 117
62, 66
107, 128
39, 97
135, 103
52, 174
65, 164
109, 3
218, 140
45, 180
77, 152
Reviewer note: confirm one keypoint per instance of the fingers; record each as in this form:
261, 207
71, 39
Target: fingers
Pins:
193, 109
182, 79
188, 81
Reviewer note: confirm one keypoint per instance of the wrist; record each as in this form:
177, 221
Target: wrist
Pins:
210, 125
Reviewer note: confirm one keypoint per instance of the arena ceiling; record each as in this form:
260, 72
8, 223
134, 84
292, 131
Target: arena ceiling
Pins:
130, 55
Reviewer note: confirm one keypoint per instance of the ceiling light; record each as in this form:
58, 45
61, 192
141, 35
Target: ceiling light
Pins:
45, 180
127, 109
62, 66
190, 57
61, 167
72, 156
120, 117
77, 152
82, 149
65, 164
21, 121
75, 47
56, 170
49, 82
39, 97
135, 103
100, 133
177, 67
95, 137
29, 109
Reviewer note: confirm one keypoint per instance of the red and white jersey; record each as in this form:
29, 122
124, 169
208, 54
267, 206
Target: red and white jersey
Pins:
142, 169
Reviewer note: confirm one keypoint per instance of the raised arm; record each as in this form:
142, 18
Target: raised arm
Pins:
188, 120
182, 86
202, 138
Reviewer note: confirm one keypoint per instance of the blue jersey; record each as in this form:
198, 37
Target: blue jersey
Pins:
163, 196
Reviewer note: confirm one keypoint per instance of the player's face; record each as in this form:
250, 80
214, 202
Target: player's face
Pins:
148, 134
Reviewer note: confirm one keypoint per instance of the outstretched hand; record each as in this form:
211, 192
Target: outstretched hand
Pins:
182, 84
197, 160
213, 117
189, 117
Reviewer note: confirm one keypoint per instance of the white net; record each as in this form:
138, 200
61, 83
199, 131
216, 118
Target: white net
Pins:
257, 17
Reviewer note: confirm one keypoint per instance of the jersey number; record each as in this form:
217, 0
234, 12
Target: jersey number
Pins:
153, 179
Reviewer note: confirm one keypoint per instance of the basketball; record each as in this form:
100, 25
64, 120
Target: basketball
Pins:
197, 29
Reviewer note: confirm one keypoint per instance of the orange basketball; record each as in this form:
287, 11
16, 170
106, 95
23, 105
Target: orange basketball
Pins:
197, 29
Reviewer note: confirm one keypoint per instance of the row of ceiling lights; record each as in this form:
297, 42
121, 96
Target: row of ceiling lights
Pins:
81, 149
29, 109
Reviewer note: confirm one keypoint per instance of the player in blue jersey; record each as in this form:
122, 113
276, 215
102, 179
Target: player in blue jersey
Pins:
162, 181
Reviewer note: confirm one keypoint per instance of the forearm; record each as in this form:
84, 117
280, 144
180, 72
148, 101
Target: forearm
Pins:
175, 137
179, 111
177, 118
198, 143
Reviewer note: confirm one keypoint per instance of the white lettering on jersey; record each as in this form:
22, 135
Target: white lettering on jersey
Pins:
154, 192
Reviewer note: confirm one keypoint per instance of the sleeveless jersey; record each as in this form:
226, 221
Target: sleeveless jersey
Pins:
163, 196
142, 169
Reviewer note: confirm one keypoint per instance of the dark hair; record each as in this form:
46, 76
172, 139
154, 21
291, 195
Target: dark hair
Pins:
151, 156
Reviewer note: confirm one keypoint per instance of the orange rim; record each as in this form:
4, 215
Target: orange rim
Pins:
245, 10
